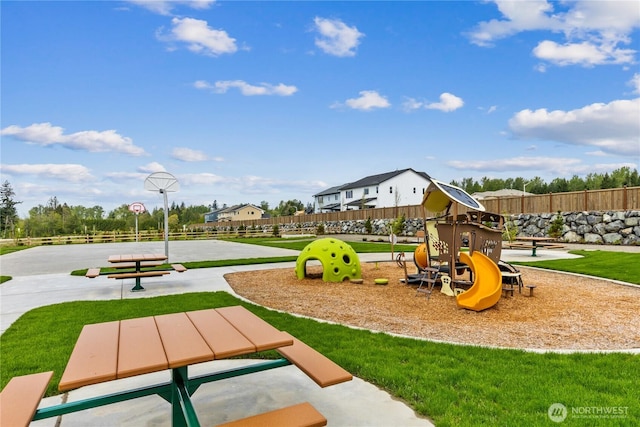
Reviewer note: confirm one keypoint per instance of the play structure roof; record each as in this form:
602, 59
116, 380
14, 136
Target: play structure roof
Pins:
440, 196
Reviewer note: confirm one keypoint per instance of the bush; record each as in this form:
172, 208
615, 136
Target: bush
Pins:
368, 227
397, 226
320, 229
555, 229
276, 230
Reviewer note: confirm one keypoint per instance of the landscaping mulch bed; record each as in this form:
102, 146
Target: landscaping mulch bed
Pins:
565, 311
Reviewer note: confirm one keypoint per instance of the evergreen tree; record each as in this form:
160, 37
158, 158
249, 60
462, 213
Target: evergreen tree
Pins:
8, 211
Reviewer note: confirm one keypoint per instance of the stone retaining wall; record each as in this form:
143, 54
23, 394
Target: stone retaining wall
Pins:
596, 227
609, 228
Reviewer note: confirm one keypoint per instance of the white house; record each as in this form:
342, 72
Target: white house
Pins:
397, 188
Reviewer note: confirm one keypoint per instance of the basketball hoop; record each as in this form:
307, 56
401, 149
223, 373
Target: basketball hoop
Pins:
164, 183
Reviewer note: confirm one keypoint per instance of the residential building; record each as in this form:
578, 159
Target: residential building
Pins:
241, 212
328, 200
398, 188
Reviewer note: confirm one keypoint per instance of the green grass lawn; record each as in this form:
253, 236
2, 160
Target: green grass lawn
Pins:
622, 266
7, 249
451, 384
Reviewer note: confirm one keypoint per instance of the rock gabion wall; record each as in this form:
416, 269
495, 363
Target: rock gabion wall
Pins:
597, 227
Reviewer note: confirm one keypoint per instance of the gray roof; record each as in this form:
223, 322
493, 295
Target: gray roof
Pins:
361, 202
369, 181
331, 190
379, 179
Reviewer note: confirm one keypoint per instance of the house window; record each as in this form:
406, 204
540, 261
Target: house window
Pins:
366, 191
335, 197
349, 194
376, 189
320, 199
390, 190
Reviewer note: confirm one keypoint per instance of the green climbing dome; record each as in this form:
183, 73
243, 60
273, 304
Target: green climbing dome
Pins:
339, 261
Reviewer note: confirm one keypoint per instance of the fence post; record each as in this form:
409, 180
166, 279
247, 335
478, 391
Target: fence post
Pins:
586, 196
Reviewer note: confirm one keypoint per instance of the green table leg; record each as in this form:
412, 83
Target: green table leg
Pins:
138, 287
183, 413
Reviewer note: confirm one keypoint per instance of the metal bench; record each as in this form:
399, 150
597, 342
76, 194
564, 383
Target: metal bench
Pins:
20, 398
300, 415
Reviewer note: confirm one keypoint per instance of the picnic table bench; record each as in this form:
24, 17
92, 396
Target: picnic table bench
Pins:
20, 398
140, 263
533, 243
125, 348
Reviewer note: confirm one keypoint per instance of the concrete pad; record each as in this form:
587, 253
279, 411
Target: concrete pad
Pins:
354, 403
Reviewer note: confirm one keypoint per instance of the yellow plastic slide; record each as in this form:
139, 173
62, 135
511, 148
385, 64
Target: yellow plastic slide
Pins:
487, 283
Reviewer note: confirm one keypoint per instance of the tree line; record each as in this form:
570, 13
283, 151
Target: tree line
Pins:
55, 218
622, 177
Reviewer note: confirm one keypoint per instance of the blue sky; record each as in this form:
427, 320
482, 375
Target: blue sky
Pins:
245, 102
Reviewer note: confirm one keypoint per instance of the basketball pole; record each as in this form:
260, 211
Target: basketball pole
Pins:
166, 224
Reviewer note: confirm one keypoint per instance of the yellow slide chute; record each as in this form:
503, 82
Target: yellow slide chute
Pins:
487, 283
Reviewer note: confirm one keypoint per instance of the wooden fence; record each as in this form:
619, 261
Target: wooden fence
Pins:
614, 199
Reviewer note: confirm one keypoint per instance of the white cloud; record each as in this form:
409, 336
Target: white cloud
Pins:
142, 172
199, 37
152, 167
448, 102
336, 38
188, 155
411, 104
252, 185
368, 100
613, 128
558, 166
164, 7
45, 134
635, 83
246, 88
585, 53
63, 172
593, 30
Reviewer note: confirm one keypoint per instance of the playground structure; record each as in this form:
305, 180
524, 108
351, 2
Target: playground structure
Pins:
339, 261
444, 236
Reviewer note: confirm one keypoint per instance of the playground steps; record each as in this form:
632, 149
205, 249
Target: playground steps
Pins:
427, 281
